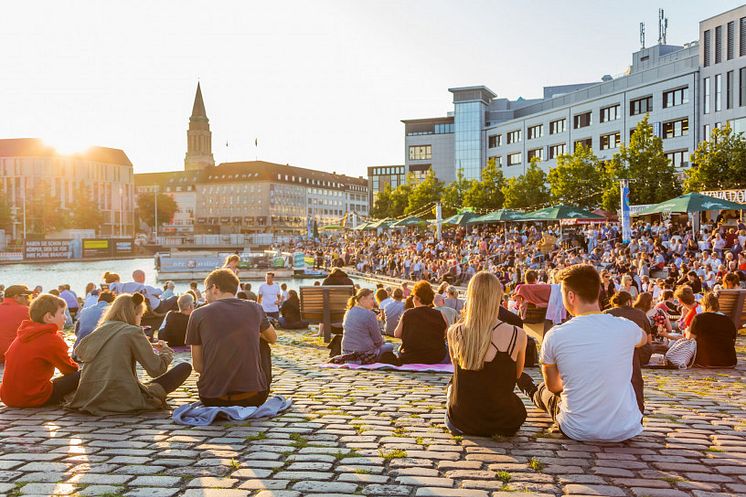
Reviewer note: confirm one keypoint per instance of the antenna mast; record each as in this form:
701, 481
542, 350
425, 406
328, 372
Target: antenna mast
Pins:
642, 35
662, 26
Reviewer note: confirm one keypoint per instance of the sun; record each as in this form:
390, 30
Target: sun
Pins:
68, 145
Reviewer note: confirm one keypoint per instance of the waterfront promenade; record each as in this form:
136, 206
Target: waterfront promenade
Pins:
380, 434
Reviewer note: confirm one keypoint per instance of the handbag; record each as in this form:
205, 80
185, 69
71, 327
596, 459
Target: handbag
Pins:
682, 353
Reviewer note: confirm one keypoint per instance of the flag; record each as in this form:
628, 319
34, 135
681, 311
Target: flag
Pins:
344, 220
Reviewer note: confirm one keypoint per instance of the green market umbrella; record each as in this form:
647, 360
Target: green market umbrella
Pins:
408, 221
332, 227
460, 219
382, 223
691, 202
498, 216
560, 212
361, 227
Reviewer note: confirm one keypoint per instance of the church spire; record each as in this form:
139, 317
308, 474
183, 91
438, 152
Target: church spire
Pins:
199, 136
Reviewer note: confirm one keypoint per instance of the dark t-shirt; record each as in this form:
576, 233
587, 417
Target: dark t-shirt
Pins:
228, 331
716, 340
174, 328
423, 336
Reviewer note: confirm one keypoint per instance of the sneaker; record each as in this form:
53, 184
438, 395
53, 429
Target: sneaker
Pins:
527, 385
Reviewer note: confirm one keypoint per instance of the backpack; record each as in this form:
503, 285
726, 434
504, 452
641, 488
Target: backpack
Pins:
532, 355
682, 353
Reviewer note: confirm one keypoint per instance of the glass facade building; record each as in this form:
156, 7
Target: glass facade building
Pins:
469, 121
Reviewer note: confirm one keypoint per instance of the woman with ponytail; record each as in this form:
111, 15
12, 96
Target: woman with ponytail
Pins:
109, 382
488, 356
361, 333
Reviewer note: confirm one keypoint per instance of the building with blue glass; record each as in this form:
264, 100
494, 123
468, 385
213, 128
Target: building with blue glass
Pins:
686, 90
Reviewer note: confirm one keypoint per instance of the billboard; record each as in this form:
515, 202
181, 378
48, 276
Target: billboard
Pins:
96, 247
46, 249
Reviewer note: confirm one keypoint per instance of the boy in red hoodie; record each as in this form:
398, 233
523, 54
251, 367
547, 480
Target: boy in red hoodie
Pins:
33, 356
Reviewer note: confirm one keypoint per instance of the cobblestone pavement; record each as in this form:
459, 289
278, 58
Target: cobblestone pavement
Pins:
380, 434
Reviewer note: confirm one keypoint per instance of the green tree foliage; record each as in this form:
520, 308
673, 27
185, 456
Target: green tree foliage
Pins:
85, 212
529, 190
454, 194
6, 216
400, 197
577, 178
44, 212
487, 194
382, 205
718, 163
428, 191
166, 208
644, 162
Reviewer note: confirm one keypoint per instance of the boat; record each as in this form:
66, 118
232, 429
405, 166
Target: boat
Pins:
176, 265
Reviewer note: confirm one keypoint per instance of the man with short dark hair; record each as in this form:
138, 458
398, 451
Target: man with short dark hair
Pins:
13, 310
270, 296
587, 366
230, 351
173, 329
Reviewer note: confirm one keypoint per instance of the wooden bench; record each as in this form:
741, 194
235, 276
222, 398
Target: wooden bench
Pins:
325, 305
732, 305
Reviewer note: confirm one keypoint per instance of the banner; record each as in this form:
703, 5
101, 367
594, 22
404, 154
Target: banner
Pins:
626, 225
46, 249
97, 247
299, 261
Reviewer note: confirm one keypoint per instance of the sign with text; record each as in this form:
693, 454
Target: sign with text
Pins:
124, 247
46, 249
96, 247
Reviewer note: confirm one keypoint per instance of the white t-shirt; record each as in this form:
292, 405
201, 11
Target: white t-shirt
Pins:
594, 356
270, 294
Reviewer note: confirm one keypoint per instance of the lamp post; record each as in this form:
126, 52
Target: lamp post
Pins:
155, 209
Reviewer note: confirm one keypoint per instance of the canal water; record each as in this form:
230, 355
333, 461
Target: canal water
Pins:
77, 274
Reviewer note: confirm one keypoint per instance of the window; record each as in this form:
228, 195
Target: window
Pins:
677, 158
718, 44
676, 97
514, 159
557, 150
612, 140
420, 152
706, 49
582, 120
495, 141
611, 113
558, 126
742, 86
514, 136
729, 42
673, 129
641, 105
498, 160
742, 38
586, 142
535, 131
706, 131
718, 92
441, 129
536, 152
729, 90
706, 103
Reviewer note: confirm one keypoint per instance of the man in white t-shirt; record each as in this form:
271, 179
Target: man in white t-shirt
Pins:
587, 366
270, 296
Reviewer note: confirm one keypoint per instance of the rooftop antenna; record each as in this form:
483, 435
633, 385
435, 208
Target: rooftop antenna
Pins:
642, 35
662, 25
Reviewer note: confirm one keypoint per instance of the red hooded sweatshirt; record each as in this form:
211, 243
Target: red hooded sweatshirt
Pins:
30, 363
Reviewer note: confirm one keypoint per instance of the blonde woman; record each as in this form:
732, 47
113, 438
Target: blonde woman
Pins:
232, 262
488, 356
108, 381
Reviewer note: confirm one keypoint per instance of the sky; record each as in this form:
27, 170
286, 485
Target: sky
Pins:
322, 84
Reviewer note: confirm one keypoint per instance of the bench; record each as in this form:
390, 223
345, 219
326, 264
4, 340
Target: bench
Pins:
325, 304
732, 305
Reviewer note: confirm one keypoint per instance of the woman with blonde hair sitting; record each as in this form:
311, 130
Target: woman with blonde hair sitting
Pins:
488, 357
108, 380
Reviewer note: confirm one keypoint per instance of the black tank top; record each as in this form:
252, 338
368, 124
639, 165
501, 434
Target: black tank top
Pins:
483, 402
423, 336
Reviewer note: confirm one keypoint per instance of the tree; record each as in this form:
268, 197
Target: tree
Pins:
400, 197
576, 179
44, 211
428, 191
6, 216
382, 205
166, 208
85, 211
487, 194
643, 161
528, 190
718, 163
454, 194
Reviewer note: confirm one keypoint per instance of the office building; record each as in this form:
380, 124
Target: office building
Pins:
30, 169
379, 177
685, 89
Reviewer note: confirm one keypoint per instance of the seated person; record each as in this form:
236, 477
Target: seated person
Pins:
230, 345
453, 301
90, 316
422, 329
153, 294
689, 306
290, 313
587, 366
731, 281
392, 312
173, 329
360, 332
488, 356
532, 293
715, 334
36, 352
448, 312
109, 383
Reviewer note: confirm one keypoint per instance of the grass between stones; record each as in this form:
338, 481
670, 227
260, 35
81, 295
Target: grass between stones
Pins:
393, 454
536, 465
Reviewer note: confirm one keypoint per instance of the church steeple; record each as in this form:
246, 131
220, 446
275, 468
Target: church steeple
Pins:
199, 137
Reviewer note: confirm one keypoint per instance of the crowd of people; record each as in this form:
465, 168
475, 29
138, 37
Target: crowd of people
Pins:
613, 307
